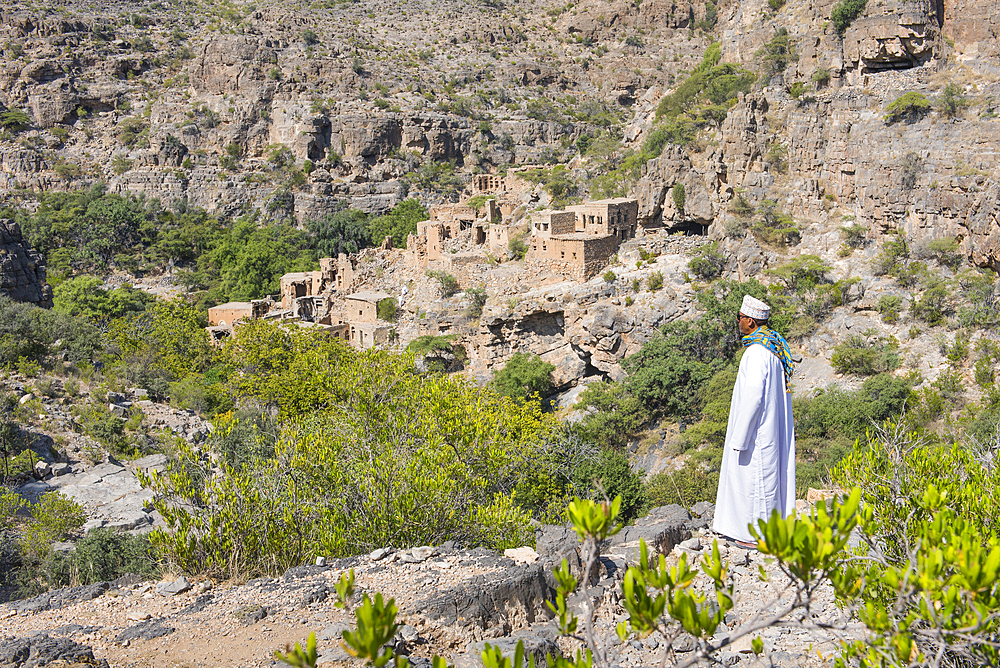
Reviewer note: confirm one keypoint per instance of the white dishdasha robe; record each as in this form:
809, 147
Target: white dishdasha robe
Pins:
758, 461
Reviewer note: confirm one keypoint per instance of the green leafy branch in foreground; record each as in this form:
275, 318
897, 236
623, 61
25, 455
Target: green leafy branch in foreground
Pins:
934, 600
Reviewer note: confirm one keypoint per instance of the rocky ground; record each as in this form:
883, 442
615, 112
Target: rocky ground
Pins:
451, 602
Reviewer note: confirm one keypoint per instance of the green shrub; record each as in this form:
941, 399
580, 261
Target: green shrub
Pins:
933, 305
104, 555
855, 236
477, 301
14, 120
684, 487
386, 309
844, 12
909, 107
775, 227
777, 53
54, 517
945, 251
613, 415
344, 231
707, 263
523, 376
803, 273
677, 192
980, 292
892, 258
611, 476
518, 247
776, 158
28, 332
866, 354
821, 76
888, 307
360, 482
951, 101
609, 276
398, 223
447, 283
654, 281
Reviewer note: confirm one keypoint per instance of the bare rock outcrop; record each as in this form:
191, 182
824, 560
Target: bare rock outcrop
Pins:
22, 272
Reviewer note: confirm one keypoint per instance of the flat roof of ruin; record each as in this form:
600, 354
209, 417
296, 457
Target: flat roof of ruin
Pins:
232, 305
373, 296
613, 200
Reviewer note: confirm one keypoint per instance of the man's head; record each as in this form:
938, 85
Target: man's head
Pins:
753, 313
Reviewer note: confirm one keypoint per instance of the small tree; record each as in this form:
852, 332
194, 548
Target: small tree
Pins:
387, 309
477, 300
523, 376
908, 107
678, 195
447, 283
844, 13
952, 101
708, 262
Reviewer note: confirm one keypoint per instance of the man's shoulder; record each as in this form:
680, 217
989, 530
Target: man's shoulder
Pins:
759, 354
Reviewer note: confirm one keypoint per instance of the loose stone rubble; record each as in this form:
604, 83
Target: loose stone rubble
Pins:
452, 601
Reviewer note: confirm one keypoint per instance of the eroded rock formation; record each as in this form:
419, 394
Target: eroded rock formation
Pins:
22, 272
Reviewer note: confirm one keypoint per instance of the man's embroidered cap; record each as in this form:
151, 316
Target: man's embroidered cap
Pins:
755, 308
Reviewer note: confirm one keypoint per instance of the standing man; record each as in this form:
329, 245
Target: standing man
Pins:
758, 462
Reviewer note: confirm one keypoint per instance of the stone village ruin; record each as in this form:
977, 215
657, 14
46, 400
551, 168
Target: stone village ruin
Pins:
576, 243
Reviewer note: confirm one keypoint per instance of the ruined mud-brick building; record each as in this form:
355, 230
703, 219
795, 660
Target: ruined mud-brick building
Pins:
579, 242
308, 298
360, 316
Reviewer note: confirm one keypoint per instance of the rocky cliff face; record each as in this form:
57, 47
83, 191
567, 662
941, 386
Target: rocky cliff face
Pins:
22, 271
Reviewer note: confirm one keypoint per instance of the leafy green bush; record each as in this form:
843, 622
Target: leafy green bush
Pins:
344, 231
613, 415
654, 281
775, 227
685, 487
828, 424
14, 120
447, 283
677, 193
980, 292
609, 276
477, 301
84, 296
523, 376
386, 309
866, 354
104, 554
777, 53
612, 475
393, 458
802, 273
855, 235
888, 307
31, 333
518, 247
707, 263
945, 251
398, 223
908, 106
933, 305
844, 12
719, 82
951, 101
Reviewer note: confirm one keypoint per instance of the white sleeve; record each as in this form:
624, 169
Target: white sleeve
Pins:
748, 398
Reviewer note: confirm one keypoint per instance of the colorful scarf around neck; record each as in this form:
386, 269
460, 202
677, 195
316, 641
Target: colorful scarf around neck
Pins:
774, 342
